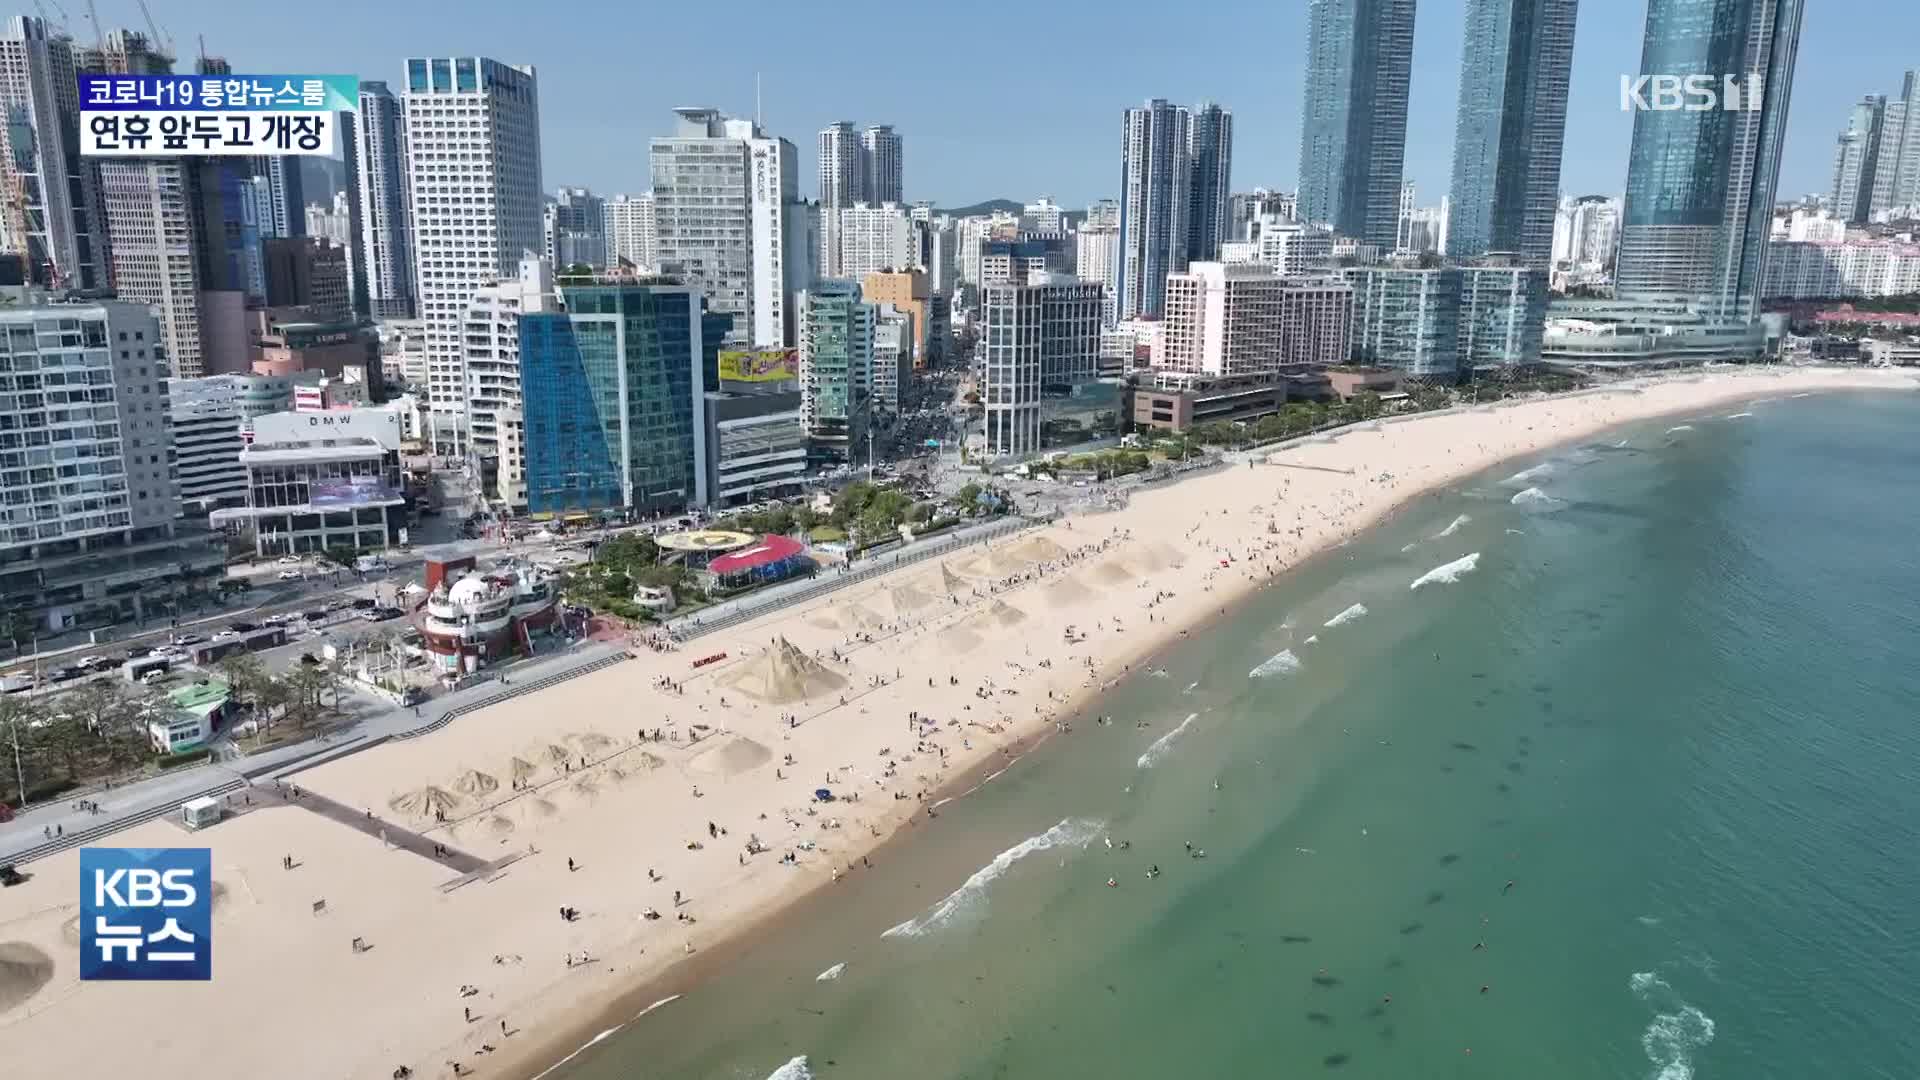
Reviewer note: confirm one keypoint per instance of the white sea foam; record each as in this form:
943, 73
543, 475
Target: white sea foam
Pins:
1679, 427
1311, 638
1803, 395
1515, 532
582, 1048
797, 1069
1528, 476
1453, 528
1536, 501
1280, 663
1353, 612
1676, 1031
831, 973
1621, 445
969, 901
1164, 743
1409, 547
1449, 573
1737, 416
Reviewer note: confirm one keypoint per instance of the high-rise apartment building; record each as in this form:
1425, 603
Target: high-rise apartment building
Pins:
1897, 177
1593, 231
843, 180
1510, 128
490, 334
866, 239
836, 364
52, 216
384, 247
786, 242
1354, 129
882, 165
1407, 316
308, 272
1241, 319
473, 152
629, 229
1103, 214
1044, 215
88, 535
1316, 321
1040, 338
286, 194
1210, 152
1155, 198
1096, 254
1503, 313
574, 229
612, 388
1293, 248
1856, 160
1700, 185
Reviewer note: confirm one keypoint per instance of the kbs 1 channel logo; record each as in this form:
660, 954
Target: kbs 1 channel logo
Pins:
146, 914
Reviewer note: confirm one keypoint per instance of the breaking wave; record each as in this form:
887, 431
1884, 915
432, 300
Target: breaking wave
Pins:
1676, 1031
1453, 528
1280, 663
1737, 416
1528, 476
1353, 612
831, 973
1162, 744
969, 901
1311, 638
1679, 427
1535, 500
797, 1069
1448, 574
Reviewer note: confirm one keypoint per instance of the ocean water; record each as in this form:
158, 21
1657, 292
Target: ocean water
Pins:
1629, 786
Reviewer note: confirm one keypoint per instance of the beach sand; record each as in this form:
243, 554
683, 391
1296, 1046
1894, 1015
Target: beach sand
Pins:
975, 643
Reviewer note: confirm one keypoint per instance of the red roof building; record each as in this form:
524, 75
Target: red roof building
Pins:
770, 558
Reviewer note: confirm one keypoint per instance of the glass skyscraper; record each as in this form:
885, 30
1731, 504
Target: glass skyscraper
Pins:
611, 394
1353, 136
1510, 128
1156, 176
1700, 184
1210, 156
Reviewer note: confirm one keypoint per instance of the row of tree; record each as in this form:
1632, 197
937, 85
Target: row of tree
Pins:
99, 730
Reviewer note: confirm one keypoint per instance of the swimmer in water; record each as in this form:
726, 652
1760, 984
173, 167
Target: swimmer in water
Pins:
1112, 884
1509, 887
1153, 871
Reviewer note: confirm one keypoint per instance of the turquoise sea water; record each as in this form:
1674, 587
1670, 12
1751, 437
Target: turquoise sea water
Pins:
1675, 703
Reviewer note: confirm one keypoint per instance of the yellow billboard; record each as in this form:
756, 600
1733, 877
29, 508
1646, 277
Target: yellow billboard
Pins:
765, 365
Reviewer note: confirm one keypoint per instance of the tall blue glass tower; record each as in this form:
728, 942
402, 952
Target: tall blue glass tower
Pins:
1700, 183
1510, 128
1353, 138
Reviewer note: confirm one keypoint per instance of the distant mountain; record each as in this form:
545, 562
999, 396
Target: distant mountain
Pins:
1011, 206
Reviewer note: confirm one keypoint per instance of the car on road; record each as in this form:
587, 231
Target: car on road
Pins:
138, 651
313, 616
290, 560
382, 614
290, 575
96, 663
243, 627
188, 639
62, 674
362, 603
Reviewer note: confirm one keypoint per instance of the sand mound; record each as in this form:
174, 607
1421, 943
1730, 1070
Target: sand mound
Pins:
590, 741
907, 598
950, 580
537, 809
584, 786
1037, 549
426, 802
521, 768
498, 825
1155, 555
735, 756
24, 970
650, 761
782, 673
476, 783
1067, 592
1112, 572
554, 754
1004, 613
959, 639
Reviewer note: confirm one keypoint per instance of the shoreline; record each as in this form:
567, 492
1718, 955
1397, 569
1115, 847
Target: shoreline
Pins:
559, 1049
991, 618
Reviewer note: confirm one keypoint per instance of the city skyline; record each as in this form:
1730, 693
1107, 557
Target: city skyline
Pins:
957, 128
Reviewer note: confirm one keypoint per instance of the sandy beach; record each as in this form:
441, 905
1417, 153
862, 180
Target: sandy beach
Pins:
672, 807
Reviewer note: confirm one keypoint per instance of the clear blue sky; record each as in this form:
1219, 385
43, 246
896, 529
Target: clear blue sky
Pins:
993, 98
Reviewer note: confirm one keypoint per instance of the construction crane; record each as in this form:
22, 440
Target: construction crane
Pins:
161, 42
99, 36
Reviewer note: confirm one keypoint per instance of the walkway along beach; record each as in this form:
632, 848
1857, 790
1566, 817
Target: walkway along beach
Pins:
649, 813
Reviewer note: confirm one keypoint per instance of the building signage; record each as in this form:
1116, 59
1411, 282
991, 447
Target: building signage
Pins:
381, 425
213, 115
761, 366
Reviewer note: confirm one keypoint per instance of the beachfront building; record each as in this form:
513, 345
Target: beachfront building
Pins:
1407, 316
1612, 334
1223, 319
1503, 313
320, 480
491, 341
611, 399
756, 447
1040, 341
1175, 401
89, 534
473, 175
1155, 199
1842, 269
473, 619
836, 364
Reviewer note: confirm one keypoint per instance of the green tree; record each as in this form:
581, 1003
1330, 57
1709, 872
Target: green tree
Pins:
1366, 404
17, 627
101, 708
244, 674
342, 555
65, 738
969, 498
